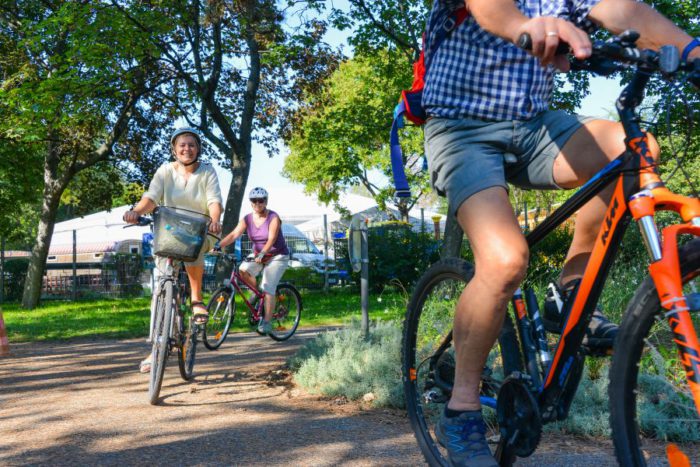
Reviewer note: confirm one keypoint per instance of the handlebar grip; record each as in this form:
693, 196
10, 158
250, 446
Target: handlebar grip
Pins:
525, 43
141, 222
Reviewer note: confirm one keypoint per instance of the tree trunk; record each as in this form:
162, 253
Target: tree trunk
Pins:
240, 169
452, 243
37, 265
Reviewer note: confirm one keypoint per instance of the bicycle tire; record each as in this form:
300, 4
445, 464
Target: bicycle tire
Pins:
287, 313
428, 323
638, 399
221, 312
161, 340
187, 351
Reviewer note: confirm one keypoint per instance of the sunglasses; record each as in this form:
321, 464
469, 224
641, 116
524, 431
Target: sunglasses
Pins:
258, 200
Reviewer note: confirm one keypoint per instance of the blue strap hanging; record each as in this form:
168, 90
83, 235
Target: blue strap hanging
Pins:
397, 168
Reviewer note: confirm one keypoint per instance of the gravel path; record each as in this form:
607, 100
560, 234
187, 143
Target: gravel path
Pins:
84, 403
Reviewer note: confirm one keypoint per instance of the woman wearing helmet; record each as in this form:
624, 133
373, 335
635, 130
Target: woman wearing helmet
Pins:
264, 228
188, 184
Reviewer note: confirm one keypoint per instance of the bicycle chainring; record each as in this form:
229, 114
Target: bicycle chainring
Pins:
518, 416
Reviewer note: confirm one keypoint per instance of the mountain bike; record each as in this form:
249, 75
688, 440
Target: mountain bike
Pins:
524, 384
172, 328
222, 309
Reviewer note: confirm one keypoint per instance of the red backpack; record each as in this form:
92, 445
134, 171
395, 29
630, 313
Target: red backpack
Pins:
410, 104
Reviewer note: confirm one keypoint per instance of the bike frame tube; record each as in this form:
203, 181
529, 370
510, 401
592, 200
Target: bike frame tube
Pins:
235, 277
634, 170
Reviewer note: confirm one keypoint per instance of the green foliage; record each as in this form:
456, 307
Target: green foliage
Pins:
547, 257
123, 318
128, 267
15, 271
93, 189
342, 132
397, 253
344, 363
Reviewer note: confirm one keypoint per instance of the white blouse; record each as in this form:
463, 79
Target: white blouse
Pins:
169, 188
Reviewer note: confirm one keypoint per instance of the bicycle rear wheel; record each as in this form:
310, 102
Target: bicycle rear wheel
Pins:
429, 362
287, 313
649, 394
161, 340
221, 308
187, 351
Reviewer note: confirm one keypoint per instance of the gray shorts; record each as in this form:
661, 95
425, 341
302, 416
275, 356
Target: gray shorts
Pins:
466, 156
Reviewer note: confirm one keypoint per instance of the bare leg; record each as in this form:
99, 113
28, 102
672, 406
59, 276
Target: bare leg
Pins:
501, 255
270, 301
195, 274
589, 149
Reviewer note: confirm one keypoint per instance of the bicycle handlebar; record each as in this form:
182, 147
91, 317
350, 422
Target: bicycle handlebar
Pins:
621, 51
144, 221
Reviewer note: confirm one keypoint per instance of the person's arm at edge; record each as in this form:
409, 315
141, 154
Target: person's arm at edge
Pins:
655, 29
502, 18
235, 233
215, 210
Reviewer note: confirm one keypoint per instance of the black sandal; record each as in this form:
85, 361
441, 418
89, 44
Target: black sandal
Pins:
200, 313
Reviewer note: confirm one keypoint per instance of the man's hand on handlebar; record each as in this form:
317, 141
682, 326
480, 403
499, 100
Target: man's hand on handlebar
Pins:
546, 33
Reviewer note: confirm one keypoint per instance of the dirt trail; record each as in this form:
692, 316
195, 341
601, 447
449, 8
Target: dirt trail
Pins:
84, 403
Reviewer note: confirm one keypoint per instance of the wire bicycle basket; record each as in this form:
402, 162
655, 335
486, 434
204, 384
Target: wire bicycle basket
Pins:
179, 233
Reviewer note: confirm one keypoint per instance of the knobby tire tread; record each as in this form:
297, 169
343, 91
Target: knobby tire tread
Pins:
299, 307
636, 324
161, 340
207, 340
449, 268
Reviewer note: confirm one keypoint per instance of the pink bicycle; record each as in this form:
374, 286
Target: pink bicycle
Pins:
222, 309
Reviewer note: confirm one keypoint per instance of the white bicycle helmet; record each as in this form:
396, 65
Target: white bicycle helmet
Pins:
257, 192
187, 131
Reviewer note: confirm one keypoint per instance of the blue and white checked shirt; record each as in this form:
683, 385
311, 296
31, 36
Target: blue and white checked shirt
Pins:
474, 74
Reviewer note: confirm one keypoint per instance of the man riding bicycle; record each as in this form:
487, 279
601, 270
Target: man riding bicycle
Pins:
490, 123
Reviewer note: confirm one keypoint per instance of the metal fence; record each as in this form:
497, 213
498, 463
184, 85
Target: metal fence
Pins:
127, 275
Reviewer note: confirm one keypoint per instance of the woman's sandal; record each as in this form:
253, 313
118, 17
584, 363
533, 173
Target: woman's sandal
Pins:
200, 313
145, 365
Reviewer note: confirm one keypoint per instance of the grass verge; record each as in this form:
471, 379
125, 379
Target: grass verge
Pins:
128, 318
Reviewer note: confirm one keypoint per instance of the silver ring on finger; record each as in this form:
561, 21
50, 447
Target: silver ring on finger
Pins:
551, 34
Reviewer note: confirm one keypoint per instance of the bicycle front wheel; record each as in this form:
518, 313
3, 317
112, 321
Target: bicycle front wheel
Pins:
649, 395
188, 350
285, 318
429, 358
221, 308
161, 340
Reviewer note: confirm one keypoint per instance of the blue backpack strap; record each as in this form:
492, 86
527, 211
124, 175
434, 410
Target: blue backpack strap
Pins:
402, 190
397, 166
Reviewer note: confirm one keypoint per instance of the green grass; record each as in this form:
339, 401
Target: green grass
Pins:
128, 318
58, 320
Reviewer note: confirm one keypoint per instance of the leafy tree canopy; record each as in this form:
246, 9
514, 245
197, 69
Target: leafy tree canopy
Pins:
343, 131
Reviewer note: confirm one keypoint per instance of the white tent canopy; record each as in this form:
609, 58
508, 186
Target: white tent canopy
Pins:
103, 227
293, 206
